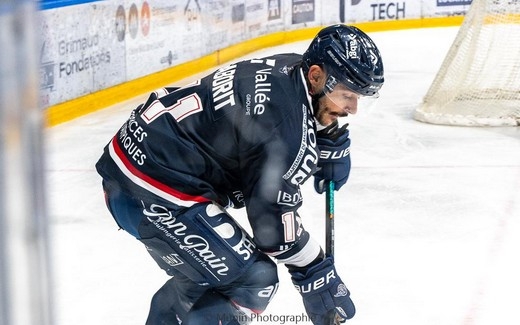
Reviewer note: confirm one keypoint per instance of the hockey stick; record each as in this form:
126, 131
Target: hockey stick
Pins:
332, 317
329, 218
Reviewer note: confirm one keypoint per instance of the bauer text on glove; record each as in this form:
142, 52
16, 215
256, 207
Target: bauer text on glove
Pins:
323, 291
334, 162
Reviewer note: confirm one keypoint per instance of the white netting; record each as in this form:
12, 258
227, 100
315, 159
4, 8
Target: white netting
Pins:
479, 80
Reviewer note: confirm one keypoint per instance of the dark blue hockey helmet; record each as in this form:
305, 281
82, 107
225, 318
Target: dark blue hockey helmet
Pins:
349, 56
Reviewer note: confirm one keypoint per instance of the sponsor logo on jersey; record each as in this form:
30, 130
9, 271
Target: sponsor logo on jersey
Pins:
262, 90
172, 259
305, 163
130, 134
202, 248
194, 245
268, 292
289, 199
285, 70
227, 229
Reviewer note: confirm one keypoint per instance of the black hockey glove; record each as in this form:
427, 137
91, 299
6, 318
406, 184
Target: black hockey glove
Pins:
322, 291
334, 161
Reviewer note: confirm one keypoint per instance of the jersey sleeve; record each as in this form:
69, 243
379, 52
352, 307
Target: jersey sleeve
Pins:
272, 173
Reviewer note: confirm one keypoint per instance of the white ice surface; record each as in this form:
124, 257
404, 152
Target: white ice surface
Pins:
427, 228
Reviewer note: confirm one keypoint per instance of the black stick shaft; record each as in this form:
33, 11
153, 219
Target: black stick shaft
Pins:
329, 219
329, 235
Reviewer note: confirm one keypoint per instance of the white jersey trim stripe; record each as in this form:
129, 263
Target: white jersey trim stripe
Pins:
304, 257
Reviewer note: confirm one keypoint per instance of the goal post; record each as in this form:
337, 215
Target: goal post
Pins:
478, 83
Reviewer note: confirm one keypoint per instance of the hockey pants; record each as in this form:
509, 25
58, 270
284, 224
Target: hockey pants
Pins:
218, 275
234, 304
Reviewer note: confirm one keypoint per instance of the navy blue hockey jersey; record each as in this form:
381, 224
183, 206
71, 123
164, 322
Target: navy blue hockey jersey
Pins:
246, 131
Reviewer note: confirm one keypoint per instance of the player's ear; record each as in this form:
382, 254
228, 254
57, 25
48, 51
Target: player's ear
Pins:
316, 77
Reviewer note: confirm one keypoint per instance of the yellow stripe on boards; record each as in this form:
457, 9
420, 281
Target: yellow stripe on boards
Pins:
101, 99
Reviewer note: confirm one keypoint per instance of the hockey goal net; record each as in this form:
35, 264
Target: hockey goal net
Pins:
478, 82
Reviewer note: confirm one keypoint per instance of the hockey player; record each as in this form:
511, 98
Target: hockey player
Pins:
247, 135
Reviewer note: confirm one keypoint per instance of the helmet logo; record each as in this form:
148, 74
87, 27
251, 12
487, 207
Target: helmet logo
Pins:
331, 83
352, 47
372, 56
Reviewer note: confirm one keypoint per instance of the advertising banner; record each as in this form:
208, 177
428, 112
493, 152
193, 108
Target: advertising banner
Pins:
90, 45
380, 10
443, 8
159, 34
76, 55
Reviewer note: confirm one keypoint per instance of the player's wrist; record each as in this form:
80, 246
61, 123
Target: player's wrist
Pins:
303, 269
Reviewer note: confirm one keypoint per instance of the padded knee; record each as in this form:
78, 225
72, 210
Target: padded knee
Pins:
172, 302
255, 289
162, 310
215, 309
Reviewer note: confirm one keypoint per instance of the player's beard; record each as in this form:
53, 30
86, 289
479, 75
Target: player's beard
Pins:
317, 110
323, 114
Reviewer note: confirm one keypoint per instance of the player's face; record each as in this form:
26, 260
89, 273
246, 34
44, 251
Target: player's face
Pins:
338, 103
